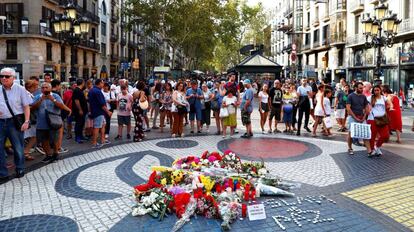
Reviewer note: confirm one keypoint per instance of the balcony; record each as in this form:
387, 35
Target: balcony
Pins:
406, 26
316, 44
114, 58
315, 22
284, 27
355, 40
92, 16
288, 13
90, 44
326, 17
374, 2
356, 6
325, 42
114, 18
338, 39
306, 47
132, 44
114, 38
31, 29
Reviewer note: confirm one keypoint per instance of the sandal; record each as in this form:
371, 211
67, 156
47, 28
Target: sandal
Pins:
28, 157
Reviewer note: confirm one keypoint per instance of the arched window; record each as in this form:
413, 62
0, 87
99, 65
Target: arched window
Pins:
103, 7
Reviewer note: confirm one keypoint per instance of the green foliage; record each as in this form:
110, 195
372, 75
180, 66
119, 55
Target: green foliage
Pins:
210, 32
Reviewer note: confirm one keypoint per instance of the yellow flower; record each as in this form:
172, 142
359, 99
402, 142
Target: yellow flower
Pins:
164, 181
160, 168
207, 182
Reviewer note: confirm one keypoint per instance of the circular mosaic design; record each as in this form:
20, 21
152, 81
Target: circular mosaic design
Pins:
270, 148
180, 144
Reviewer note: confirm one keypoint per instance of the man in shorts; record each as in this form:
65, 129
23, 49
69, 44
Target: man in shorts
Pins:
97, 104
276, 98
246, 108
357, 107
124, 100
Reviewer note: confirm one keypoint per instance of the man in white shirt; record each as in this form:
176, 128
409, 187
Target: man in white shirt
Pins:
9, 125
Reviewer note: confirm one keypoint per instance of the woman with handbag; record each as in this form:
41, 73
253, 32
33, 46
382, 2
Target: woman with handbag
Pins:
229, 105
179, 110
140, 103
378, 120
393, 112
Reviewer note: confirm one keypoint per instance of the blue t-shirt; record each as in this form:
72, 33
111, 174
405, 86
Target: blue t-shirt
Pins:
248, 95
194, 100
41, 123
96, 101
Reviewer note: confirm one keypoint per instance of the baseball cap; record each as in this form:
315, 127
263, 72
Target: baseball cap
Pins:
247, 81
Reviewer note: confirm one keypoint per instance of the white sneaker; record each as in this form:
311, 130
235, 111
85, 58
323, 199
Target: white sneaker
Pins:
173, 135
106, 136
378, 151
263, 132
223, 136
182, 135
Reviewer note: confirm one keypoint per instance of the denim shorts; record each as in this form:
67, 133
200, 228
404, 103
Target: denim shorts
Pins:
99, 122
197, 114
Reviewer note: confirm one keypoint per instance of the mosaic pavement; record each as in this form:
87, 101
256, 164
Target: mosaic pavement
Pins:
92, 190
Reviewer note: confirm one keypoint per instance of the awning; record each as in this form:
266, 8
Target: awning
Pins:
159, 69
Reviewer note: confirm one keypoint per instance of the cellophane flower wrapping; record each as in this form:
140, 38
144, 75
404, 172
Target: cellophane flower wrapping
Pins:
189, 211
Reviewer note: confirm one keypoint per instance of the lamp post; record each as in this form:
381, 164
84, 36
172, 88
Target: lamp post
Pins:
70, 30
380, 30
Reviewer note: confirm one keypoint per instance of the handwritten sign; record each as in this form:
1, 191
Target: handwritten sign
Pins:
256, 212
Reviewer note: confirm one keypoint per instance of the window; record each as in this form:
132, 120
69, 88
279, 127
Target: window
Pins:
85, 4
325, 32
103, 8
307, 38
11, 49
47, 16
48, 51
103, 49
341, 57
317, 13
62, 54
308, 24
103, 28
407, 7
93, 8
357, 22
85, 58
316, 36
14, 14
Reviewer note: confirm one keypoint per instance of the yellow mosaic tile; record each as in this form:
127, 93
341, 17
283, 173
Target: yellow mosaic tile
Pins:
393, 198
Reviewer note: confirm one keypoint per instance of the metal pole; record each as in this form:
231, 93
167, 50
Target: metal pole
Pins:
378, 65
73, 54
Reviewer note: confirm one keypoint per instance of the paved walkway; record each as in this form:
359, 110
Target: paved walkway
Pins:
91, 190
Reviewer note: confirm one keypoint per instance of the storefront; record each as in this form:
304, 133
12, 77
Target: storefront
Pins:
50, 70
407, 67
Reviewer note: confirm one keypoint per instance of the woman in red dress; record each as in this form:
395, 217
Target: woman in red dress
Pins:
393, 112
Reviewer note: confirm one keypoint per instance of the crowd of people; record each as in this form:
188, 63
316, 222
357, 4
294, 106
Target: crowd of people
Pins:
37, 118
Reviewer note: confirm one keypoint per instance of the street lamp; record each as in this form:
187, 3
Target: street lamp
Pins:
373, 27
70, 30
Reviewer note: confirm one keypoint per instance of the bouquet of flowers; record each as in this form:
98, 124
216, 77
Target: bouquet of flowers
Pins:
189, 162
254, 168
231, 161
229, 212
207, 206
154, 203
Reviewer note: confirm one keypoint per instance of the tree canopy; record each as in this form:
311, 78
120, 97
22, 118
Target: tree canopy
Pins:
210, 32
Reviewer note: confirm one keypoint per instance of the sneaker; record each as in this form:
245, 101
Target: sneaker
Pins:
62, 150
277, 131
47, 159
269, 131
19, 174
350, 151
106, 136
118, 137
40, 150
106, 142
53, 158
378, 151
182, 135
236, 131
208, 130
173, 135
263, 132
307, 129
245, 135
199, 131
371, 154
128, 136
191, 132
96, 146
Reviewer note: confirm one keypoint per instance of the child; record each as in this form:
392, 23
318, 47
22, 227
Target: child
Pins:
328, 110
230, 101
124, 112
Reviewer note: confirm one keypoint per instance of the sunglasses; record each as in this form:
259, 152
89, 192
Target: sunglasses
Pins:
5, 76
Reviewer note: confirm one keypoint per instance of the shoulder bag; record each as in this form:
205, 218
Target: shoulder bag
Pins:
54, 120
18, 120
143, 102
